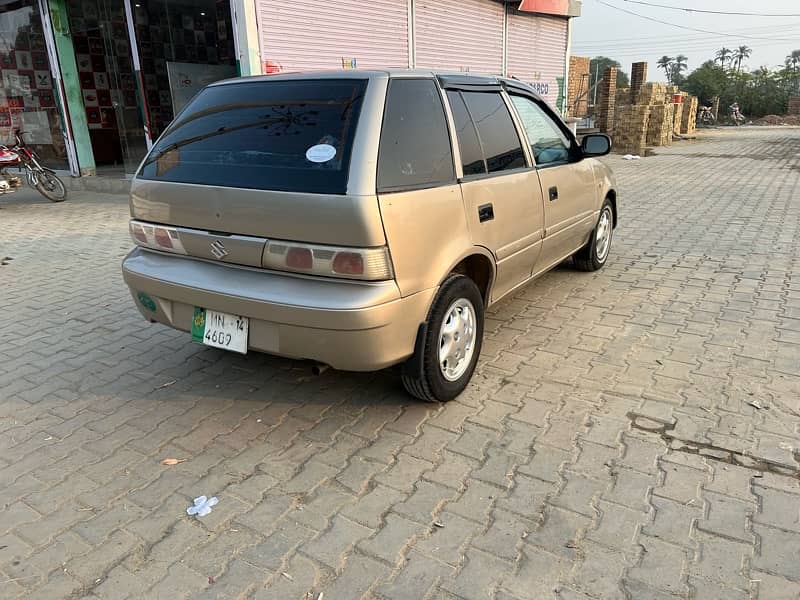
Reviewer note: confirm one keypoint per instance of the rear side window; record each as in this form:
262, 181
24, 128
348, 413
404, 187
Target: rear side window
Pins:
501, 144
468, 143
415, 145
291, 136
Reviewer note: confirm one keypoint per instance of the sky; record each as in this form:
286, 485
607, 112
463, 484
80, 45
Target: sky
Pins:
603, 30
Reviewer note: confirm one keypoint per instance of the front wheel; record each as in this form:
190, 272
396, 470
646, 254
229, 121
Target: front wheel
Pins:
443, 366
50, 186
595, 253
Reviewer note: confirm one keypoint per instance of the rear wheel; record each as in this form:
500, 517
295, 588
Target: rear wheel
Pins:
50, 186
595, 253
451, 345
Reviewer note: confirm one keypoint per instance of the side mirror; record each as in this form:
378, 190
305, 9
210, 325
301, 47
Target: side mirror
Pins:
596, 144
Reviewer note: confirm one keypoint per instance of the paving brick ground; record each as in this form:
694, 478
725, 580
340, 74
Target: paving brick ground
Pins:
632, 433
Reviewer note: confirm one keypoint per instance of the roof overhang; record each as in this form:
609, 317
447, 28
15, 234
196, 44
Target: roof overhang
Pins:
561, 8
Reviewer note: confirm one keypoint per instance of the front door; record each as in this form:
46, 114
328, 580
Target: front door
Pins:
501, 192
568, 185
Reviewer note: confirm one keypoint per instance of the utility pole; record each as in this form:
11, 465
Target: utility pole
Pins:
596, 81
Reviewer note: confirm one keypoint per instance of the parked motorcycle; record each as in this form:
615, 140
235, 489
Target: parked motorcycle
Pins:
39, 177
707, 117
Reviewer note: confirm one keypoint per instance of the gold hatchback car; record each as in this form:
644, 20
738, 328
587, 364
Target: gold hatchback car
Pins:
362, 219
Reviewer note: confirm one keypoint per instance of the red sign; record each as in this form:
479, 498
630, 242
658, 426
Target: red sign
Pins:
548, 7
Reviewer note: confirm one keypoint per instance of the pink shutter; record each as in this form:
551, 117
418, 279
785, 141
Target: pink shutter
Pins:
537, 51
318, 35
459, 35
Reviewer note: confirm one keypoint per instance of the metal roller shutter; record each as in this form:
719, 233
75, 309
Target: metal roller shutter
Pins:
459, 35
318, 35
537, 52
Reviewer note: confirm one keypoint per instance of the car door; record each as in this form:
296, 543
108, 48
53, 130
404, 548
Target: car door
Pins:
500, 189
567, 182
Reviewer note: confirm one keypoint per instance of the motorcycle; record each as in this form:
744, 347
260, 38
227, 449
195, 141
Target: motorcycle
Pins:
39, 177
707, 116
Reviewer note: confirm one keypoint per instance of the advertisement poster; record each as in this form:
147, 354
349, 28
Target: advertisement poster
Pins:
186, 79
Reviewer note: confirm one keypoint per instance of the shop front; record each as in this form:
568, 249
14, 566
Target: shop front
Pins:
92, 83
29, 97
525, 39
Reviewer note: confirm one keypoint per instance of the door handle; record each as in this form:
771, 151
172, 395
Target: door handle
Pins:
485, 213
553, 193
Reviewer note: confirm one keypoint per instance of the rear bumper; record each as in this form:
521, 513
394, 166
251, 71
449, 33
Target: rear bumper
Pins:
348, 325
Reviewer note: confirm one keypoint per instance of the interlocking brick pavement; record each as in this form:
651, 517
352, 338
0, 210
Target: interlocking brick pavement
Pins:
631, 433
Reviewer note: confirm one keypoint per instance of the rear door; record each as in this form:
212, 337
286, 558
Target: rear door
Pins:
501, 192
567, 182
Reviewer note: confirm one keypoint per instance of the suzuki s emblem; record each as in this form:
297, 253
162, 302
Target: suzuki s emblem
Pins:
218, 250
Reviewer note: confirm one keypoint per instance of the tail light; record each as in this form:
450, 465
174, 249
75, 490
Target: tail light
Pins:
370, 264
157, 237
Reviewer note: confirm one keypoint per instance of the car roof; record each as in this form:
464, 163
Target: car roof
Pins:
448, 79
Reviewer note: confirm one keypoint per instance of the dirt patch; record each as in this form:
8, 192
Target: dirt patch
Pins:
792, 120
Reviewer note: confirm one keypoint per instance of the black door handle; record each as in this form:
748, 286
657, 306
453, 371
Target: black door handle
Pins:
553, 193
485, 213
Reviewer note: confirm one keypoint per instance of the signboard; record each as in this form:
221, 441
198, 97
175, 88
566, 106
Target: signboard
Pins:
186, 79
562, 8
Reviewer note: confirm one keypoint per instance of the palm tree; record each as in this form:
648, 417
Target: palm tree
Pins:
793, 60
665, 62
680, 64
740, 54
723, 55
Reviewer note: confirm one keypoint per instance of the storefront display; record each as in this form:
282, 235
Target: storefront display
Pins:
27, 97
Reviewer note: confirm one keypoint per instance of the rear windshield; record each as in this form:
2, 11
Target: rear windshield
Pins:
293, 136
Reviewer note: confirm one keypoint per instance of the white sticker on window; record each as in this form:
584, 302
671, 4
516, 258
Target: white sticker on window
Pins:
320, 153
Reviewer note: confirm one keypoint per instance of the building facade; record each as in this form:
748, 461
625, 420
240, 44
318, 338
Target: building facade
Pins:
93, 83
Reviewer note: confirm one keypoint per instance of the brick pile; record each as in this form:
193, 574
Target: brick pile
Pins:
578, 87
651, 93
606, 101
689, 117
794, 105
638, 78
630, 128
660, 124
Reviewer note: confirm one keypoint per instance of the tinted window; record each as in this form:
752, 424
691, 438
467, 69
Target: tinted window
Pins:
499, 138
415, 145
468, 144
276, 135
548, 143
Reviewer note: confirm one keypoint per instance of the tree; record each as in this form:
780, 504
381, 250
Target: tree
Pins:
707, 82
723, 55
665, 62
741, 53
793, 60
599, 64
679, 65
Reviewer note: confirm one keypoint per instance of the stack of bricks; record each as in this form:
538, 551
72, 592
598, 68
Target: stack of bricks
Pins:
659, 128
794, 105
689, 118
674, 97
578, 88
651, 93
630, 128
638, 77
606, 102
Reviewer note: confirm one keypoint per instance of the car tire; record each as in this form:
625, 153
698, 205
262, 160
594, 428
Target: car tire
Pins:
443, 366
594, 255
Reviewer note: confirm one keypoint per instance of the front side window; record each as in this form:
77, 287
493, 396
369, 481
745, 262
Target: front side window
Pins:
548, 143
415, 146
293, 136
501, 144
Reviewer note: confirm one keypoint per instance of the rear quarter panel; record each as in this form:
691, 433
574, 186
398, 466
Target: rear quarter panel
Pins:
427, 234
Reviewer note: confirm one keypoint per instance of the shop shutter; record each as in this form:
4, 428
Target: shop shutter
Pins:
459, 35
319, 35
537, 52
